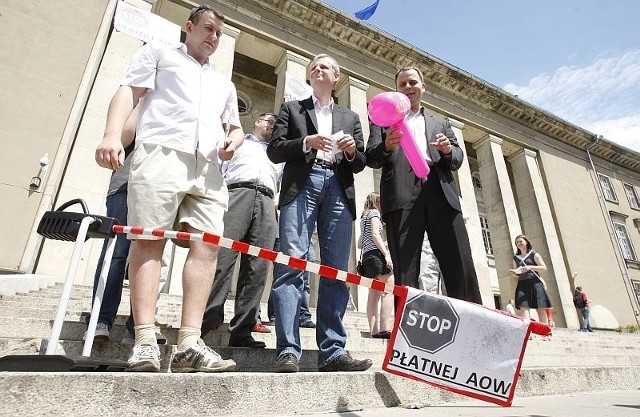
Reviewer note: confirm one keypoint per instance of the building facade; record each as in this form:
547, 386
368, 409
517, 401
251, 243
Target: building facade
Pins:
573, 193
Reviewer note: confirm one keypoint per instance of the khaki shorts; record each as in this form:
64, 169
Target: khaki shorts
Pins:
168, 189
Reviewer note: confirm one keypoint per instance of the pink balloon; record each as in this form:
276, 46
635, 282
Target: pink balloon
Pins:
388, 109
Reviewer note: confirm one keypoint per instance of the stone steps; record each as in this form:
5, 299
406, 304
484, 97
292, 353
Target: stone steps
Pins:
242, 394
11, 284
571, 361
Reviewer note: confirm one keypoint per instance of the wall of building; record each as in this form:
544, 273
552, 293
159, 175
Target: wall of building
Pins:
44, 50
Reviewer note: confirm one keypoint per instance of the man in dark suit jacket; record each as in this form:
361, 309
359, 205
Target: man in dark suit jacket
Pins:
410, 205
322, 146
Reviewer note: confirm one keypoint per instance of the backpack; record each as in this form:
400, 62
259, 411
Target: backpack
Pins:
578, 300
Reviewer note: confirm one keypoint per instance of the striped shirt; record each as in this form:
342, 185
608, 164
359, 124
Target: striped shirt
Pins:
368, 244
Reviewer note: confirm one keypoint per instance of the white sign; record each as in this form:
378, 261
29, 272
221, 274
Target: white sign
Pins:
459, 346
146, 26
295, 88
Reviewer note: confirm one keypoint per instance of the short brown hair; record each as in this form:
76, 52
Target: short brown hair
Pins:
334, 64
416, 69
196, 12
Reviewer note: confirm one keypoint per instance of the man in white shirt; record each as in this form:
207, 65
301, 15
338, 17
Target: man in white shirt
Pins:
252, 182
412, 206
175, 179
322, 146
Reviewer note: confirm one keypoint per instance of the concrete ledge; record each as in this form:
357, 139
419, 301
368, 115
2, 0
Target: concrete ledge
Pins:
117, 394
23, 283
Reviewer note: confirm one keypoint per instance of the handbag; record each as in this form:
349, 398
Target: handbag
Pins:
359, 267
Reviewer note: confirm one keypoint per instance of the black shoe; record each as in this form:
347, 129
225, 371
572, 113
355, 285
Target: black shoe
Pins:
346, 363
247, 342
308, 324
287, 363
386, 334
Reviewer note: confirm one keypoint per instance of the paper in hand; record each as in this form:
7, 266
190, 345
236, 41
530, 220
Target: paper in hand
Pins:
334, 141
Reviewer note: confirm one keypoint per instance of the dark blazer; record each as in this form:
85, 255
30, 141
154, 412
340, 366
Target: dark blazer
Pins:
296, 120
398, 181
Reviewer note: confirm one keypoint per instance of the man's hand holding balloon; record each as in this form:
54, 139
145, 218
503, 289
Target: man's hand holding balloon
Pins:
393, 139
389, 109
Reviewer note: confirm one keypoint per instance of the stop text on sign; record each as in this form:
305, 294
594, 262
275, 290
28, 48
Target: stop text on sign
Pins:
426, 321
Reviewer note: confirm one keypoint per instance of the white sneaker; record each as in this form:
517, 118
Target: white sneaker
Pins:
201, 358
144, 358
102, 333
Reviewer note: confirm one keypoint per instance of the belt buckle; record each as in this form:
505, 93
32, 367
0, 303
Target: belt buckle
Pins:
324, 163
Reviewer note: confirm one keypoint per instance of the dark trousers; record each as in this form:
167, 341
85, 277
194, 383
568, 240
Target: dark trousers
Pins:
116, 208
251, 218
429, 211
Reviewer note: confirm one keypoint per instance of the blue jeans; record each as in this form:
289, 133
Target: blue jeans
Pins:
322, 203
116, 208
585, 319
305, 314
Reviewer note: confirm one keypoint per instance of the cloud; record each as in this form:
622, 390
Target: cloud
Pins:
603, 97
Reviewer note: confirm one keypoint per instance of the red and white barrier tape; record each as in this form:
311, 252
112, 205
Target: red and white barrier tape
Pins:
297, 263
267, 254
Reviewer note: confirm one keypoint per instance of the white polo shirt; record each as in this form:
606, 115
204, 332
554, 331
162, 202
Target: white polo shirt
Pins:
186, 103
251, 164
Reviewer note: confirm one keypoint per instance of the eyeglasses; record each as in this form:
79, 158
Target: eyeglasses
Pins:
195, 12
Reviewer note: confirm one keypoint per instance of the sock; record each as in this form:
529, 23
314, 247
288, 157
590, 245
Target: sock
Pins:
187, 337
145, 334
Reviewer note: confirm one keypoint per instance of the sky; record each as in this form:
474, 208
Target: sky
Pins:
578, 59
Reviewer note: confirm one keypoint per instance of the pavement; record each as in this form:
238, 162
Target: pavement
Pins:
584, 404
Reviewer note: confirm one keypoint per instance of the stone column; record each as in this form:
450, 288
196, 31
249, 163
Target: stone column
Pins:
540, 227
352, 93
502, 213
472, 220
81, 177
222, 59
292, 64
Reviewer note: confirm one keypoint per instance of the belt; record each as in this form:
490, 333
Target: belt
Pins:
253, 186
325, 164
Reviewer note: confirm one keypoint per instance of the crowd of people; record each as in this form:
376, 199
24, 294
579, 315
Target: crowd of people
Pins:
193, 169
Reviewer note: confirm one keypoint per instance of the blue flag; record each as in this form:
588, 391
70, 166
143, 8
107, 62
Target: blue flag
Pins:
367, 12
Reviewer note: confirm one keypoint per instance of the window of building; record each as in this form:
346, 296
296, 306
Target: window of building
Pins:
625, 243
486, 235
475, 177
636, 288
477, 186
244, 104
632, 196
607, 188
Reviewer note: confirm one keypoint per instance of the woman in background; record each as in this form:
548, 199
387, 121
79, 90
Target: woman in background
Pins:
530, 292
376, 263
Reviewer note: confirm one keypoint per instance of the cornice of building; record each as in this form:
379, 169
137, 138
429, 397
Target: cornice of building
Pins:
345, 34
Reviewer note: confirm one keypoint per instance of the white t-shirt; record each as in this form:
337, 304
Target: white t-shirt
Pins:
186, 103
